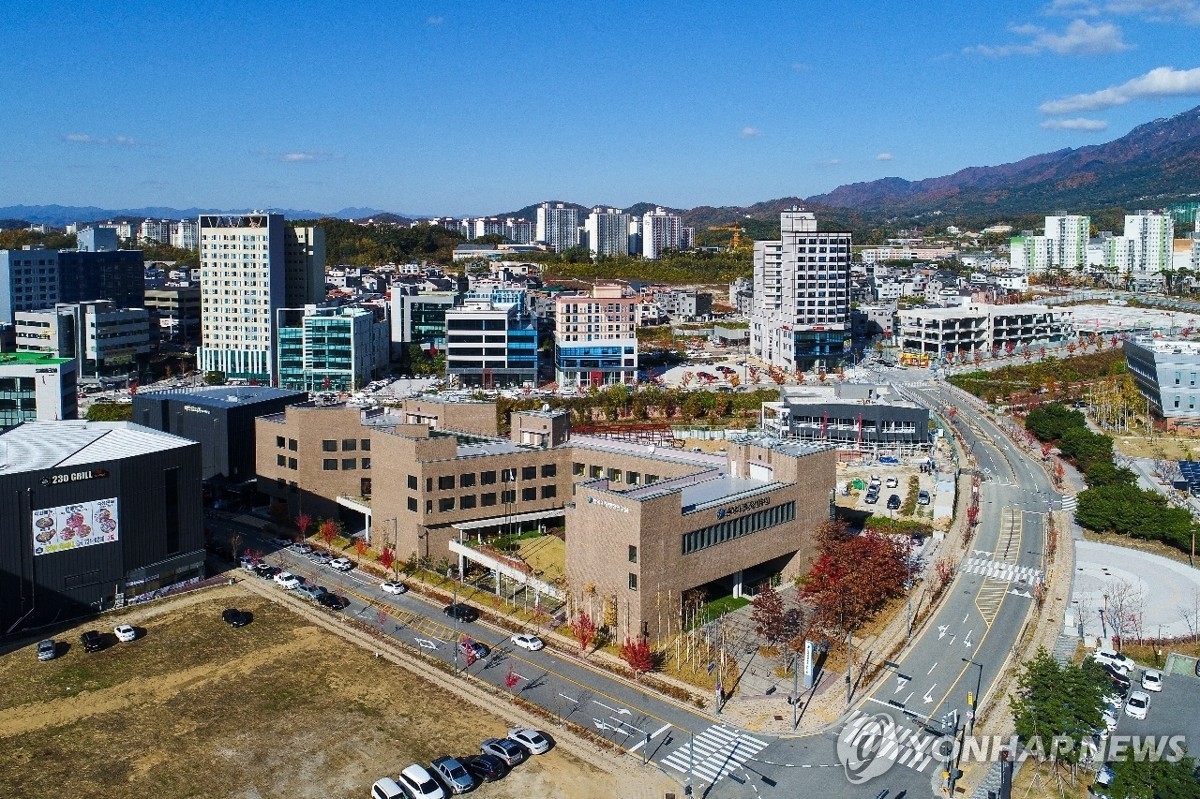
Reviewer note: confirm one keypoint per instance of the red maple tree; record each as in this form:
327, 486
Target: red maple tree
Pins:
637, 653
360, 547
328, 531
853, 576
386, 558
584, 630
303, 522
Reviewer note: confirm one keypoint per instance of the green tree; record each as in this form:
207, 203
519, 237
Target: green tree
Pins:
1155, 779
1086, 447
1058, 700
1104, 473
110, 412
1051, 421
214, 378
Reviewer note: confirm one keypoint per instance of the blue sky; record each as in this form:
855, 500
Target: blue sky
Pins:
484, 107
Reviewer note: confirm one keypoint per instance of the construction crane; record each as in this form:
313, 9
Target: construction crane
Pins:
737, 243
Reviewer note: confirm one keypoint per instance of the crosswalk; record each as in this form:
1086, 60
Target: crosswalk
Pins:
714, 753
1070, 502
1000, 570
895, 743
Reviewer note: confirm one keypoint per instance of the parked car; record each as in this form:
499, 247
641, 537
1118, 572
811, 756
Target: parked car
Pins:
247, 562
892, 482
1120, 680
1152, 680
321, 558
533, 740
893, 502
287, 580
393, 587
871, 498
125, 633
235, 618
510, 752
266, 572
332, 601
341, 564
311, 591
387, 788
1138, 705
487, 768
280, 541
92, 641
528, 641
923, 497
1122, 663
461, 611
302, 549
47, 650
420, 784
453, 774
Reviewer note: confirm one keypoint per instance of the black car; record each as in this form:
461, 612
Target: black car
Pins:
1119, 680
461, 611
893, 502
266, 572
235, 618
488, 768
332, 601
92, 641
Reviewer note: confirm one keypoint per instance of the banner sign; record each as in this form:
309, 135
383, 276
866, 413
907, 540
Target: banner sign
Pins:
73, 526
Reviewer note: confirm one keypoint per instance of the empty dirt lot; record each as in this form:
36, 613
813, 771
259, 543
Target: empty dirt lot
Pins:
280, 708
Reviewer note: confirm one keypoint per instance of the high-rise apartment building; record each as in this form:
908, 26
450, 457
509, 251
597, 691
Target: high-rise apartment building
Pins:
156, 231
250, 266
1070, 235
519, 231
801, 315
558, 226
661, 230
183, 234
607, 232
486, 226
595, 338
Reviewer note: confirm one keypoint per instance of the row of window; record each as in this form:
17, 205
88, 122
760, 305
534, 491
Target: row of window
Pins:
447, 482
470, 501
736, 528
612, 475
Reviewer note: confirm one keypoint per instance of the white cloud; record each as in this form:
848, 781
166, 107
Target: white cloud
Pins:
884, 157
1185, 11
1080, 38
295, 158
800, 66
301, 156
1160, 82
87, 138
830, 162
1078, 123
435, 20
750, 133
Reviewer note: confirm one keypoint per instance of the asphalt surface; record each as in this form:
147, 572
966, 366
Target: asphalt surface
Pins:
924, 699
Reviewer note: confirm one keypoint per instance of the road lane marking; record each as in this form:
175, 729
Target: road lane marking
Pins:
653, 735
931, 668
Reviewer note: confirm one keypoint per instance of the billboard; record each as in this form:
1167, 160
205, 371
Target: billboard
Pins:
79, 524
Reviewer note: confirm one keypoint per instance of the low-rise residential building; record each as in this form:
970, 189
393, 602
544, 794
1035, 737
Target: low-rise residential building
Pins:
595, 338
981, 328
685, 305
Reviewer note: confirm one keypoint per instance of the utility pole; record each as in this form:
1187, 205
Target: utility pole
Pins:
454, 604
687, 789
973, 699
795, 689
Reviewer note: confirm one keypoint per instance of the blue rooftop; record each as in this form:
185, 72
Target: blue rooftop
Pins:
225, 396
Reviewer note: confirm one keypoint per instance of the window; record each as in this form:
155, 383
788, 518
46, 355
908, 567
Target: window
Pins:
529, 494
487, 500
466, 480
549, 491
292, 464
349, 464
349, 444
281, 460
595, 472
632, 581
614, 475
577, 469
632, 478
429, 506
329, 445
632, 554
487, 478
292, 444
445, 504
428, 483
528, 472
446, 482
366, 463
365, 444
549, 470
412, 482
412, 504
651, 478
466, 502
329, 465
508, 476
279, 441
508, 496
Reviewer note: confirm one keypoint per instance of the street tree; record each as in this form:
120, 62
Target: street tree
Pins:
1054, 700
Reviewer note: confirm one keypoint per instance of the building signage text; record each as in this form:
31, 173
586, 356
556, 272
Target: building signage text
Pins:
74, 477
750, 504
196, 409
606, 504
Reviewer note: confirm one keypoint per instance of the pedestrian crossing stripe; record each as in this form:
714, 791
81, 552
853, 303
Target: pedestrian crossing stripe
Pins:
1069, 502
894, 746
999, 570
715, 753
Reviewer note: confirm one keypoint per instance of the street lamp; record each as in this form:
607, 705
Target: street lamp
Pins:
973, 699
1103, 624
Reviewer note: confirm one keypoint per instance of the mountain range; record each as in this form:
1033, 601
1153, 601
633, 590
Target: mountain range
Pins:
1154, 164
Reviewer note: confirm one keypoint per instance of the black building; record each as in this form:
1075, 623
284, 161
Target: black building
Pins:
219, 418
117, 275
94, 513
854, 416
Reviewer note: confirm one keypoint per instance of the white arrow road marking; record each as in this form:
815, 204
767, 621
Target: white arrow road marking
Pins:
967, 643
425, 643
942, 629
606, 707
928, 698
625, 712
900, 683
600, 725
931, 668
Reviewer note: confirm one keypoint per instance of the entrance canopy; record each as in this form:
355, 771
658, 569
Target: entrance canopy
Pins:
512, 518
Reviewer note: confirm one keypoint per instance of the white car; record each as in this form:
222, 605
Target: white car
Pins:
1152, 680
528, 641
341, 564
393, 587
124, 633
1118, 661
1137, 705
420, 784
387, 788
1110, 719
536, 742
287, 580
892, 482
302, 549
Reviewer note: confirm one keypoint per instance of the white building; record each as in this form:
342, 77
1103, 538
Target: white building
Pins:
1149, 235
184, 233
519, 231
1069, 236
801, 316
607, 232
595, 338
155, 230
97, 333
661, 230
874, 255
558, 226
485, 226
250, 266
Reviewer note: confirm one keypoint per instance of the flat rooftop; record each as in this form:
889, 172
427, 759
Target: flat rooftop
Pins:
827, 395
982, 309
699, 459
719, 490
491, 447
30, 359
225, 396
796, 449
1114, 318
34, 446
1169, 346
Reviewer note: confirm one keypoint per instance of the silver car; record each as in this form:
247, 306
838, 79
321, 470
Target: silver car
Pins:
453, 773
